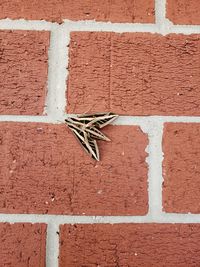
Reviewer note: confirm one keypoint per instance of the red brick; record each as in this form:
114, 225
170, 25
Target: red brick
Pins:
57, 10
23, 68
44, 170
22, 245
181, 187
89, 72
135, 245
134, 73
183, 11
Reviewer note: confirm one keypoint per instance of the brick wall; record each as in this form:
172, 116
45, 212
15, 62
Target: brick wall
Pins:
140, 204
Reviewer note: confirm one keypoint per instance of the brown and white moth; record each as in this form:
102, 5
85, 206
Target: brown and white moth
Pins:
87, 127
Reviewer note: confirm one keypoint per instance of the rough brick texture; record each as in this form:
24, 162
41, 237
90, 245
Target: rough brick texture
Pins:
181, 147
22, 245
183, 11
135, 245
134, 73
44, 170
57, 10
23, 68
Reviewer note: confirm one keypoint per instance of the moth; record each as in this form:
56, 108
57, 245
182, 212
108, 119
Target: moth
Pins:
86, 129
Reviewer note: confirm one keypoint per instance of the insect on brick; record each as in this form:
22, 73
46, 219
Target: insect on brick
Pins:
86, 129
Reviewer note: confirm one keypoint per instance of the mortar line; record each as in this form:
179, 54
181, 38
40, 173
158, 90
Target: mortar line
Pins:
153, 129
67, 36
160, 13
162, 25
155, 169
22, 24
56, 220
55, 100
91, 25
62, 71
165, 25
52, 245
50, 101
121, 120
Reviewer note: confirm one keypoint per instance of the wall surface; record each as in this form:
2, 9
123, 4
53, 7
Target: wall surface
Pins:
140, 204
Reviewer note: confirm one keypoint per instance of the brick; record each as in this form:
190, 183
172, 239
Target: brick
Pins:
135, 245
183, 11
44, 170
23, 68
181, 187
89, 72
134, 73
22, 244
57, 10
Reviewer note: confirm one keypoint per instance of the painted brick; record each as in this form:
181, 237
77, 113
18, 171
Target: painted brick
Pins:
170, 245
57, 10
22, 245
23, 68
134, 73
44, 170
183, 11
181, 187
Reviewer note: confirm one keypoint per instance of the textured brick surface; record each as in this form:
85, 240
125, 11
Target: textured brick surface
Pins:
183, 11
135, 245
181, 147
23, 68
134, 73
44, 170
22, 245
89, 72
57, 10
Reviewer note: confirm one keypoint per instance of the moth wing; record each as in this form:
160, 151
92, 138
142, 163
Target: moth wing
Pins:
89, 145
98, 120
92, 115
74, 121
103, 120
87, 118
92, 147
94, 133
